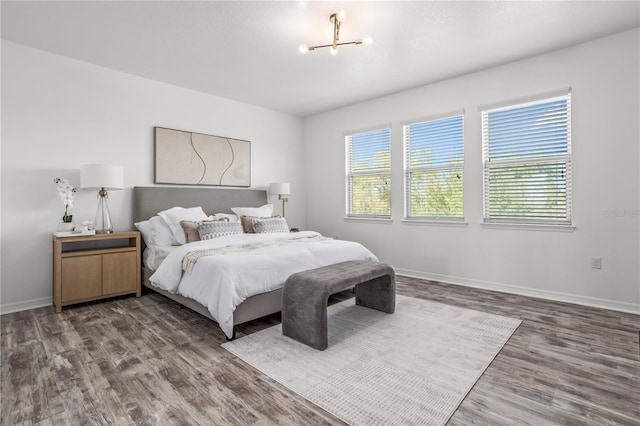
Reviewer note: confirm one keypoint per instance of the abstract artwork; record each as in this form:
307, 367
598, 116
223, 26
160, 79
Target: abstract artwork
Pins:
189, 158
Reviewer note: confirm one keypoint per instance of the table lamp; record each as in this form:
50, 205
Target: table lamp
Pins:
102, 177
280, 189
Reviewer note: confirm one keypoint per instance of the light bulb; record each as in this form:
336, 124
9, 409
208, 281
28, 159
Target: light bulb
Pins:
367, 41
303, 48
333, 50
341, 15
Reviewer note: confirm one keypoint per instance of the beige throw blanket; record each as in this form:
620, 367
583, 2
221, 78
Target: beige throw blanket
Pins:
190, 259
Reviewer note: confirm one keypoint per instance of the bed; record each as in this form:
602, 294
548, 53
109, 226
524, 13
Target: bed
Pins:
273, 256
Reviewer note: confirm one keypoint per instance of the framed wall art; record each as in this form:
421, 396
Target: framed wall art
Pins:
188, 158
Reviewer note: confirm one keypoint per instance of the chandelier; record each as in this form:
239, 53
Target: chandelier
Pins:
336, 19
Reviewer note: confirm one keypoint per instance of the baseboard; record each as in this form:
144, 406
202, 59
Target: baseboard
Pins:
525, 291
25, 305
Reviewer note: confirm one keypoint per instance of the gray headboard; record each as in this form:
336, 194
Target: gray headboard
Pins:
149, 200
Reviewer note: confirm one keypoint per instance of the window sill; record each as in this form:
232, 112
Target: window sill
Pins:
529, 227
383, 220
432, 222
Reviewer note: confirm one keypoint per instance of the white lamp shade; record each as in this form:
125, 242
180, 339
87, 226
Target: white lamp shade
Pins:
279, 189
98, 176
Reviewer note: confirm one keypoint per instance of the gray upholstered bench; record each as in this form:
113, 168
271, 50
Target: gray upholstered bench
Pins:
305, 296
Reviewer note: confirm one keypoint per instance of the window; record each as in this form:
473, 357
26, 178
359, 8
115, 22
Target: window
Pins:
434, 161
369, 174
527, 161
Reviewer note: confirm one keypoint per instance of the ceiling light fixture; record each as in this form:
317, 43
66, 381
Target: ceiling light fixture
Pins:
336, 19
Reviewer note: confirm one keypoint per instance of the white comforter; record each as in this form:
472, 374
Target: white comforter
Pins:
221, 282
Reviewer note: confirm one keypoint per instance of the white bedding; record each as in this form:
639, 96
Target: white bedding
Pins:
221, 282
153, 256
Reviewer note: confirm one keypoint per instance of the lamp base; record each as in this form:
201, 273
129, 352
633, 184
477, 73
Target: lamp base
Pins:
284, 200
103, 224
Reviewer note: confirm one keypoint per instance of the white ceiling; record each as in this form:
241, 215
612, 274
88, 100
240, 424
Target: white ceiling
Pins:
248, 51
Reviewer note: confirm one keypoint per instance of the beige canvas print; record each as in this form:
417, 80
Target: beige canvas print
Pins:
190, 158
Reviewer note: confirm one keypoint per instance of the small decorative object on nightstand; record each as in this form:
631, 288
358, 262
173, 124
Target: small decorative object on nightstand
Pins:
92, 267
67, 194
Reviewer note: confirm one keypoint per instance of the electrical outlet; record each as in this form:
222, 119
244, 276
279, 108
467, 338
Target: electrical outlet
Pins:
596, 262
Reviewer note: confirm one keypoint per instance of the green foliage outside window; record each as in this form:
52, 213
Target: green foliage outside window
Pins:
435, 192
371, 191
528, 191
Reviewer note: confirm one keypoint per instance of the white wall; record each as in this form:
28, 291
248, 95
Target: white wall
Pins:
604, 76
59, 113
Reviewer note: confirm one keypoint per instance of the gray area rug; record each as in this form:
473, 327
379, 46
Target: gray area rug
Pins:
411, 367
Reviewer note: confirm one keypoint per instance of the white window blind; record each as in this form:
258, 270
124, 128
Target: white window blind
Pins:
434, 161
369, 173
527, 162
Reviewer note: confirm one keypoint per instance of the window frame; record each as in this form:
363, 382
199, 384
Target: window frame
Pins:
408, 169
544, 159
349, 174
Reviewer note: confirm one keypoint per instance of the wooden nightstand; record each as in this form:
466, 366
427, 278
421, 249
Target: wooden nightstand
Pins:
93, 267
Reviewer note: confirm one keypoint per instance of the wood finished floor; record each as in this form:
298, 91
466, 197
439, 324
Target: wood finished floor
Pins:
145, 361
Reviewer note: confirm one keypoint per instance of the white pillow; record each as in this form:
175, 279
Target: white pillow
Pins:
145, 229
161, 233
154, 255
231, 217
264, 211
174, 215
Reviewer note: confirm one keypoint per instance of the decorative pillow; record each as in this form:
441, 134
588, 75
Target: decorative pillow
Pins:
161, 233
247, 226
230, 217
190, 228
174, 215
264, 225
210, 230
264, 211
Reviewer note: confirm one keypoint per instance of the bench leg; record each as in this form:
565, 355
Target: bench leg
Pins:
378, 294
305, 320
